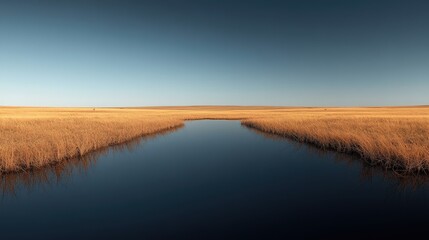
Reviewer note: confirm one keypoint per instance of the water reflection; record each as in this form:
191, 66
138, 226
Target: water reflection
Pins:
368, 171
62, 171
212, 180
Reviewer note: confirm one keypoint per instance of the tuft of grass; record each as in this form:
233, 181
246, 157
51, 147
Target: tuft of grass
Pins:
394, 137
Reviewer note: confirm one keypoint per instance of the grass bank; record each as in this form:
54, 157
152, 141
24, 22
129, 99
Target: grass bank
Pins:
395, 137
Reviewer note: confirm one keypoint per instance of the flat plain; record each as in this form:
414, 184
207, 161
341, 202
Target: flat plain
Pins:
396, 138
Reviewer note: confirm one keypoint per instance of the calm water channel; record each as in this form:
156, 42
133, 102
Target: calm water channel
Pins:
212, 180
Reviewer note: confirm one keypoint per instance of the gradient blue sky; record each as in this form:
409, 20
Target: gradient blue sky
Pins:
137, 53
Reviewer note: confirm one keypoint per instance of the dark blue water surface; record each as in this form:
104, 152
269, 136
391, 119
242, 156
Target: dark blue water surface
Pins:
212, 180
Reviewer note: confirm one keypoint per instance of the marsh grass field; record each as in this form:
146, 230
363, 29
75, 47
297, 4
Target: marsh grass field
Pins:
395, 138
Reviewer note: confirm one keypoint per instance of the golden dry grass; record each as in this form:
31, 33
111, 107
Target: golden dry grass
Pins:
36, 137
396, 137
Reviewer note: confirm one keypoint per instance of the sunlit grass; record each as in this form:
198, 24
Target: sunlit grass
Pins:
392, 137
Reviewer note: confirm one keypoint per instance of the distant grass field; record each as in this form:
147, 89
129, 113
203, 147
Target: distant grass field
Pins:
394, 137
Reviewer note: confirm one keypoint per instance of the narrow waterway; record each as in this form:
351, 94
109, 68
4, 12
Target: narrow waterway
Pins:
212, 180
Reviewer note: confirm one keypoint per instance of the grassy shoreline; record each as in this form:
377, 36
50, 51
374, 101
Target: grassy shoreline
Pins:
394, 137
394, 154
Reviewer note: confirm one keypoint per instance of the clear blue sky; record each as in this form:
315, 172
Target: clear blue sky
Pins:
136, 53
